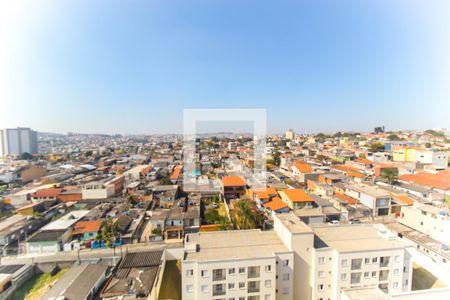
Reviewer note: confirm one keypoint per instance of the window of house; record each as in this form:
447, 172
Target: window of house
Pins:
321, 274
396, 272
204, 273
344, 263
285, 276
367, 260
397, 258
395, 285
286, 262
268, 283
285, 290
190, 288
321, 260
374, 274
242, 285
231, 271
320, 287
231, 285
366, 274
375, 260
267, 297
268, 268
189, 273
343, 276
241, 270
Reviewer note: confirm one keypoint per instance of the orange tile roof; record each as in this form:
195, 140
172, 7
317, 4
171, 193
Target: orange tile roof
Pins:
348, 199
265, 193
302, 166
440, 180
275, 204
297, 195
404, 198
364, 161
355, 174
233, 181
176, 173
87, 226
50, 192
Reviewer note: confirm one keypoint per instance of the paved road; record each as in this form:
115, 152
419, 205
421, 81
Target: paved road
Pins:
87, 254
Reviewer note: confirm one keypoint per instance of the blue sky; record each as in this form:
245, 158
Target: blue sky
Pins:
133, 66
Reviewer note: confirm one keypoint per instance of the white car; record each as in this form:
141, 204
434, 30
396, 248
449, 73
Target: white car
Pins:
334, 222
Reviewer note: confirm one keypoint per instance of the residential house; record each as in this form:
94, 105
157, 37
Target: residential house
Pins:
296, 198
233, 186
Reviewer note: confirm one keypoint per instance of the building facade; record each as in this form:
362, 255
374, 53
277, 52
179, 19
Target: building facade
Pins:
16, 141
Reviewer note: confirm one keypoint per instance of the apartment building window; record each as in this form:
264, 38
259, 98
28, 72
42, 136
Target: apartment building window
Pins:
286, 262
190, 288
321, 274
384, 275
230, 285
285, 291
219, 274
344, 263
218, 289
241, 270
320, 287
366, 274
268, 268
268, 283
395, 285
355, 278
204, 288
189, 273
268, 297
367, 260
344, 276
253, 287
253, 298
321, 260
253, 272
374, 260
241, 298
374, 274
231, 298
397, 258
204, 273
285, 276
242, 285
384, 261
396, 272
356, 264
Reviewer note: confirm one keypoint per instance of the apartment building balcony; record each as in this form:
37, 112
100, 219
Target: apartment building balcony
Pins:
384, 261
356, 264
253, 272
219, 290
384, 275
253, 287
219, 274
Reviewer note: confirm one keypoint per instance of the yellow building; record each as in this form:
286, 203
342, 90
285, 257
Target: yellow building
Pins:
399, 154
410, 154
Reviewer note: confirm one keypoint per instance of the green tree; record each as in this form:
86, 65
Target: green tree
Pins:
391, 175
376, 147
26, 156
249, 216
224, 223
212, 216
393, 137
88, 153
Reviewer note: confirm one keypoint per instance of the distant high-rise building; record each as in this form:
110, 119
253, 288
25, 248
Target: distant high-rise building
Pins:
16, 141
379, 129
290, 134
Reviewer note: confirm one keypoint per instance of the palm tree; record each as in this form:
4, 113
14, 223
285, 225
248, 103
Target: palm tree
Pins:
249, 216
391, 175
224, 223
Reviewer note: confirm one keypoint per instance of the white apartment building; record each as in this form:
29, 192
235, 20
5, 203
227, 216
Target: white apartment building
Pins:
378, 200
15, 141
438, 159
430, 220
237, 265
329, 259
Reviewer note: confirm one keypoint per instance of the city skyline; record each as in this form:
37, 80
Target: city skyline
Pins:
133, 68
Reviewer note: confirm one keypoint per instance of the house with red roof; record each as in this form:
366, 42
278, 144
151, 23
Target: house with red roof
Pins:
296, 198
233, 186
276, 205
